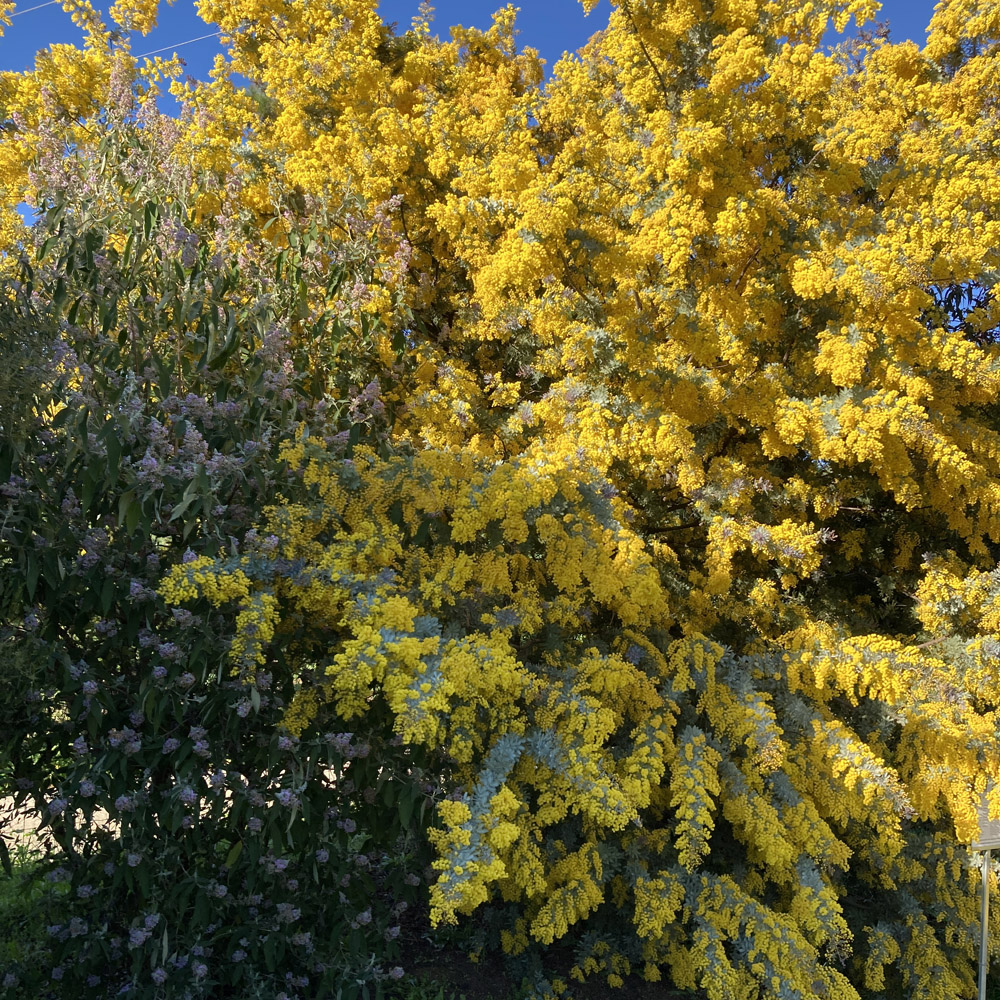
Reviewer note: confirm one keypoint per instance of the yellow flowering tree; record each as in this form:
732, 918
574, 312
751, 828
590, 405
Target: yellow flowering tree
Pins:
683, 555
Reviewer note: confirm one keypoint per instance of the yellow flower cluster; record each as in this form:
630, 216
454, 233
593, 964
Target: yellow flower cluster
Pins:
694, 490
202, 577
573, 890
694, 787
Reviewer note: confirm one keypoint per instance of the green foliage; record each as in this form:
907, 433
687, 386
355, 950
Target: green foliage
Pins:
24, 899
422, 988
197, 848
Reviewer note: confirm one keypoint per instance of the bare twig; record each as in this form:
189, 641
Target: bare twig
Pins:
627, 7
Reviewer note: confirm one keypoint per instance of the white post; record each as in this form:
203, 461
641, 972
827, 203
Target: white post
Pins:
984, 930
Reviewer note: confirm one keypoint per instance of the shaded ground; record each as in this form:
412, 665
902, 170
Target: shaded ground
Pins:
487, 980
19, 827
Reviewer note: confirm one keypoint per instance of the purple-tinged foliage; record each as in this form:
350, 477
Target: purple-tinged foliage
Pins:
164, 378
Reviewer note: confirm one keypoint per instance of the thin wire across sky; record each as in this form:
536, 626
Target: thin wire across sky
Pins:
551, 26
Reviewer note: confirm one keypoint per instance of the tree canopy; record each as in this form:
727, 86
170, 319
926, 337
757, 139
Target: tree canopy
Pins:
677, 544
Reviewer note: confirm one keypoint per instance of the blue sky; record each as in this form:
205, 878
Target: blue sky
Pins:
552, 26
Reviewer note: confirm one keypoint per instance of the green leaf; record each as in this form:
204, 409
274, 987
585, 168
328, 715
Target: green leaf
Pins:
132, 517
201, 910
114, 448
109, 315
91, 243
60, 296
107, 594
87, 493
179, 509
174, 819
148, 219
405, 807
228, 350
54, 215
388, 793
45, 247
5, 858
234, 852
123, 501
32, 575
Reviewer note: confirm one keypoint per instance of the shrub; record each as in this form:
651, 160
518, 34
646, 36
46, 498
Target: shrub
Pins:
201, 849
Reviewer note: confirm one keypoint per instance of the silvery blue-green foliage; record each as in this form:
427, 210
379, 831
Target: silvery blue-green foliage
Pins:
194, 848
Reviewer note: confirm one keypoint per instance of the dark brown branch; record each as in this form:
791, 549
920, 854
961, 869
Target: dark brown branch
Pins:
627, 7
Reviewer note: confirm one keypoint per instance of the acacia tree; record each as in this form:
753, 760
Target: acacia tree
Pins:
686, 550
